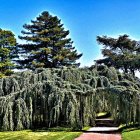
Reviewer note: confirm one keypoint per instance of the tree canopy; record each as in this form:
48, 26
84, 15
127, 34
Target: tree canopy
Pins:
69, 97
7, 51
122, 53
48, 44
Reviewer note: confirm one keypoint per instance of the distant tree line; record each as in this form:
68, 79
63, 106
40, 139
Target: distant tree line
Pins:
48, 46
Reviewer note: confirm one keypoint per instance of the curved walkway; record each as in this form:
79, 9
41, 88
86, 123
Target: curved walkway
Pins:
106, 129
99, 136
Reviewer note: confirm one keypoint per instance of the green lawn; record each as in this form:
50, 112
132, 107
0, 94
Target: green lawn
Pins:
29, 135
51, 134
131, 135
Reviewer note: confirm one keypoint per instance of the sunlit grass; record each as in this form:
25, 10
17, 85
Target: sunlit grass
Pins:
29, 135
101, 114
131, 135
57, 133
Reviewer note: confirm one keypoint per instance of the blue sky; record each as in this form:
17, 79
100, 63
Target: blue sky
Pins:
84, 18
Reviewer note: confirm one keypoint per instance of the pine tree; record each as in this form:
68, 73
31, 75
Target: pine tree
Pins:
8, 52
121, 53
48, 44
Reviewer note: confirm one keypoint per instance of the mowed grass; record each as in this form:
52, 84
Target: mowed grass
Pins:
29, 135
131, 135
51, 134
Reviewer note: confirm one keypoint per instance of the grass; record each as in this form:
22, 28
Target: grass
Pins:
101, 114
131, 134
57, 133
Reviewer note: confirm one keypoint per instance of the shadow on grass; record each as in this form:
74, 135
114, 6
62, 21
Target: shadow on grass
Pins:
59, 129
129, 128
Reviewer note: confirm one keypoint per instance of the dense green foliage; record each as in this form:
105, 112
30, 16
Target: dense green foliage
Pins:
67, 96
7, 51
48, 44
121, 53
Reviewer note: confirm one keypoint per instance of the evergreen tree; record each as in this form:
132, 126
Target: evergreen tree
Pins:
122, 53
48, 44
8, 52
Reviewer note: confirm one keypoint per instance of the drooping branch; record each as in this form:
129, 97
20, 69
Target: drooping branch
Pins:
67, 96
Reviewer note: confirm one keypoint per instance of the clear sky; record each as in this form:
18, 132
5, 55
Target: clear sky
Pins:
84, 18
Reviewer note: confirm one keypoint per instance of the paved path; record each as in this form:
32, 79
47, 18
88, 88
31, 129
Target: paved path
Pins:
104, 133
106, 128
99, 136
103, 129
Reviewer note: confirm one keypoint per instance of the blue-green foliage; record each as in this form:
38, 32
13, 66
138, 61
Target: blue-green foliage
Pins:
67, 96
